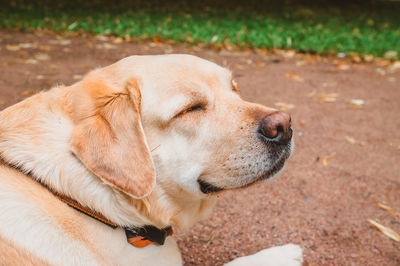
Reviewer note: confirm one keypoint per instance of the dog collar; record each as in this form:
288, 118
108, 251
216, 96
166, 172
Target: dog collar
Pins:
139, 237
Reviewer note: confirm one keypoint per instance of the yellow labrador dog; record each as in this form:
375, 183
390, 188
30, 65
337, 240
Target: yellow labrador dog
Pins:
97, 173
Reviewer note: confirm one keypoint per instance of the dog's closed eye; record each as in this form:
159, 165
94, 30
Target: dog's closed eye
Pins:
191, 108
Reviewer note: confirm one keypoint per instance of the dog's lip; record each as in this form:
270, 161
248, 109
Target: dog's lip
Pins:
208, 188
274, 169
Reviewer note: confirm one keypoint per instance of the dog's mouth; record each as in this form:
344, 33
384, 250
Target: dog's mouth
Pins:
208, 188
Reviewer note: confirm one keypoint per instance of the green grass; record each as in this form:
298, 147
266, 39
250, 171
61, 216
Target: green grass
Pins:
317, 26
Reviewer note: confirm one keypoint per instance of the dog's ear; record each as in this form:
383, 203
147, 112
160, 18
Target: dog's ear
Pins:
109, 139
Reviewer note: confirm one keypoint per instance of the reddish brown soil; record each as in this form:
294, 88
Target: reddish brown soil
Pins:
321, 207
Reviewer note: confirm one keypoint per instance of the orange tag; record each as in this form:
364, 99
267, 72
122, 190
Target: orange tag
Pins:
139, 242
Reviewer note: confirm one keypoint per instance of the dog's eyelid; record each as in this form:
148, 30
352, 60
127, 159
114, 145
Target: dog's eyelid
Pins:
192, 108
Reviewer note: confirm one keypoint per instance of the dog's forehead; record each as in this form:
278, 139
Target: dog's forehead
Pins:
175, 69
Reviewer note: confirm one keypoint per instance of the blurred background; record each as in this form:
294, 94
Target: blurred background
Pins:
315, 26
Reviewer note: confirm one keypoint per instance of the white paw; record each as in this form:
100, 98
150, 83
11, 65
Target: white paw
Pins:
287, 255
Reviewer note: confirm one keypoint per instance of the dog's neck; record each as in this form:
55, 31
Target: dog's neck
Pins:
35, 136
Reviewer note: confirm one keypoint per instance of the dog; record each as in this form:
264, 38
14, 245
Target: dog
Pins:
96, 173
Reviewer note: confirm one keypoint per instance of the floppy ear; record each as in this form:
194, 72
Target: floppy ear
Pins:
109, 138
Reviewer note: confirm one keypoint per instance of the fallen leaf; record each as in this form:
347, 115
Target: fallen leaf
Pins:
325, 159
156, 40
390, 55
395, 66
77, 77
45, 48
368, 58
381, 71
327, 97
302, 123
102, 38
294, 77
350, 140
329, 84
42, 57
2, 101
391, 79
105, 46
27, 45
356, 59
64, 42
301, 63
388, 209
39, 77
27, 93
12, 47
118, 40
342, 66
284, 106
356, 103
385, 230
311, 94
238, 66
31, 61
214, 39
260, 64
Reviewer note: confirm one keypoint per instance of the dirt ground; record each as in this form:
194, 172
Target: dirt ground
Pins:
347, 159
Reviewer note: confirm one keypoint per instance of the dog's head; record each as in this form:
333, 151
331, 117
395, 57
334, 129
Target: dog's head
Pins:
176, 121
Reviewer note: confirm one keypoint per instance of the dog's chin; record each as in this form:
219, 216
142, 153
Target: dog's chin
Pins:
208, 188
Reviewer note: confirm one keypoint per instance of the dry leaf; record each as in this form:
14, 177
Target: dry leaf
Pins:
385, 230
102, 38
12, 47
260, 64
350, 140
381, 71
237, 66
302, 123
2, 101
77, 77
326, 158
31, 61
368, 58
311, 94
294, 77
27, 45
329, 84
27, 93
301, 63
42, 57
356, 103
395, 66
388, 209
118, 40
327, 97
356, 59
342, 66
284, 106
105, 46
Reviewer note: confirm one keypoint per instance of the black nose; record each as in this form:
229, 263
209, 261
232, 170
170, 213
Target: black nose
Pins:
275, 127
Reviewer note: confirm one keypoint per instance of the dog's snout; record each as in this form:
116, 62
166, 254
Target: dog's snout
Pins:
275, 127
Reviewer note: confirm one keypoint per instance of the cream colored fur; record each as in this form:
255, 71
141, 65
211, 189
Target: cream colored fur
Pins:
39, 135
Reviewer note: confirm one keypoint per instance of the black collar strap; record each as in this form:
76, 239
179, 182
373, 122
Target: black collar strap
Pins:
146, 235
138, 236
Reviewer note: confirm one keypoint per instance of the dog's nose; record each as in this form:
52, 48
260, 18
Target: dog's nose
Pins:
275, 127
